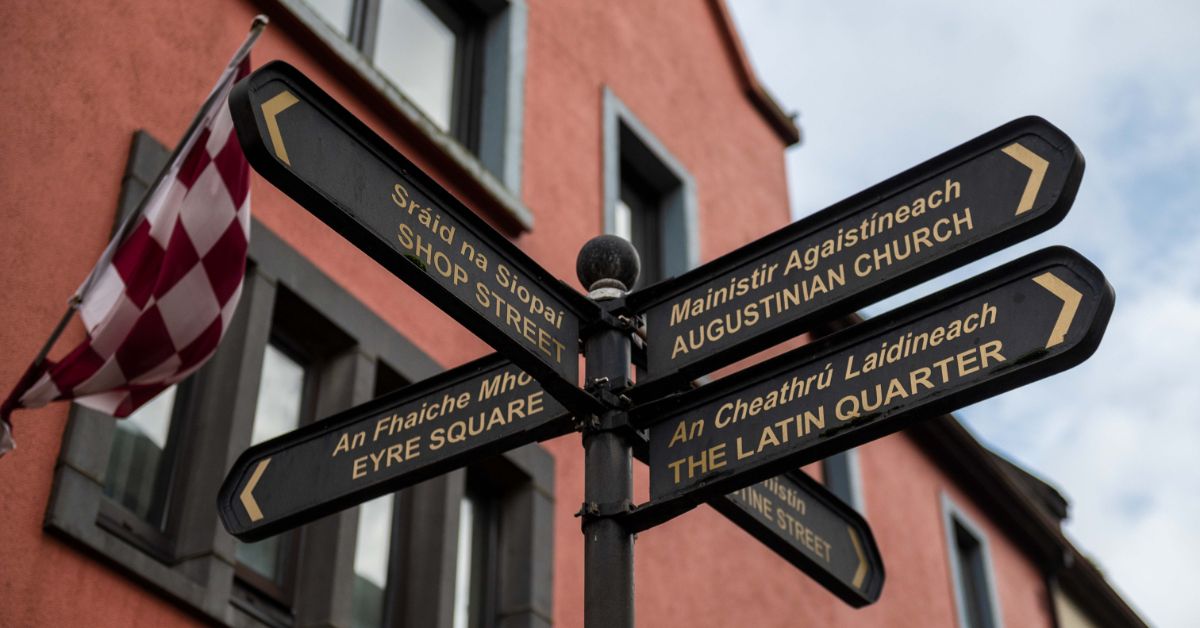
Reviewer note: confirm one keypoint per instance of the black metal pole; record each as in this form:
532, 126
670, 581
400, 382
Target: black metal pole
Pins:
608, 266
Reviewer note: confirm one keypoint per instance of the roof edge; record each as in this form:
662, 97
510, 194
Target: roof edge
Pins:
780, 121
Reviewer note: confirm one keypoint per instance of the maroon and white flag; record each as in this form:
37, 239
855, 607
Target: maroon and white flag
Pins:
159, 300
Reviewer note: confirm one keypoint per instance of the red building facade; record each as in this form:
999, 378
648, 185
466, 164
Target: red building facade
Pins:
555, 122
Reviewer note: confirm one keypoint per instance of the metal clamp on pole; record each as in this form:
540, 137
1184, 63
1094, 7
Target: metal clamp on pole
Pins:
591, 511
608, 266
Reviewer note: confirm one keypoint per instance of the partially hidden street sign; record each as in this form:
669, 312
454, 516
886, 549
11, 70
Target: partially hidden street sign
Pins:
997, 189
735, 443
481, 408
812, 529
306, 144
1026, 320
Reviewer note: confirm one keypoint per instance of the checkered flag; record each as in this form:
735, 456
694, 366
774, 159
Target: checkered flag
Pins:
162, 295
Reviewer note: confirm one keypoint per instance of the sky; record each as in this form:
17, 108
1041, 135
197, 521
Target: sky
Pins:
881, 87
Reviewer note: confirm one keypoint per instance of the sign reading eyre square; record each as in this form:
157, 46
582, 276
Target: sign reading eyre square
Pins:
486, 407
306, 144
1028, 319
997, 189
481, 408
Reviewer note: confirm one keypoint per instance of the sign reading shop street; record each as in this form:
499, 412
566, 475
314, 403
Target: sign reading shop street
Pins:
814, 530
309, 146
1026, 320
482, 408
1004, 186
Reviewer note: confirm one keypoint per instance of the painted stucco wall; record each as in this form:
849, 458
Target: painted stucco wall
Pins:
79, 78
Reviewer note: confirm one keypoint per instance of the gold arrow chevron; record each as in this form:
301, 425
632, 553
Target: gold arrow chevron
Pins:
1070, 297
272, 108
247, 493
1037, 165
861, 574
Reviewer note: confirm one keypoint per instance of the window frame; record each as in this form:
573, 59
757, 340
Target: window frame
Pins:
521, 589
953, 520
282, 591
123, 522
629, 144
853, 494
491, 143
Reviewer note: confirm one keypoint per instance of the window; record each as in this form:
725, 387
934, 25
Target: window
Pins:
649, 196
458, 64
337, 14
374, 550
141, 458
474, 576
429, 49
139, 470
371, 560
278, 410
430, 54
970, 569
638, 218
138, 493
842, 478
476, 537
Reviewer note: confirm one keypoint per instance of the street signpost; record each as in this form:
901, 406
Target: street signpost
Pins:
1026, 320
725, 443
993, 191
481, 408
306, 144
814, 530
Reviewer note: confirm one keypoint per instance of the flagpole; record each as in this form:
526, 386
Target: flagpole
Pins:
256, 28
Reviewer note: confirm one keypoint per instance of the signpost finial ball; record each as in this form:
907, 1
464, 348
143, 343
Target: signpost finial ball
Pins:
608, 261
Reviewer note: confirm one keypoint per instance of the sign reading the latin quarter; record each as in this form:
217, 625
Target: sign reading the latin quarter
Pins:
814, 530
481, 408
1026, 320
309, 146
1004, 186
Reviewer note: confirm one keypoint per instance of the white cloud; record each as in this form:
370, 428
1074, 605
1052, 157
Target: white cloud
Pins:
882, 87
1120, 435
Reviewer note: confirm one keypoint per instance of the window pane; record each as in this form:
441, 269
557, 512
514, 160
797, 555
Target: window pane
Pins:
972, 570
640, 206
262, 557
336, 13
371, 561
839, 473
276, 412
463, 576
623, 221
417, 51
135, 462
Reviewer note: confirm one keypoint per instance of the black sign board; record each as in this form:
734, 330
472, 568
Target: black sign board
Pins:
1002, 187
485, 407
306, 144
814, 530
1026, 320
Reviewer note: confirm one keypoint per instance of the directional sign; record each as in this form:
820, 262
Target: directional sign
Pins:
479, 409
993, 191
296, 136
814, 530
1026, 320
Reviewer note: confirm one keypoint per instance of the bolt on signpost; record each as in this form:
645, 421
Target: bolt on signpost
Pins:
736, 443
